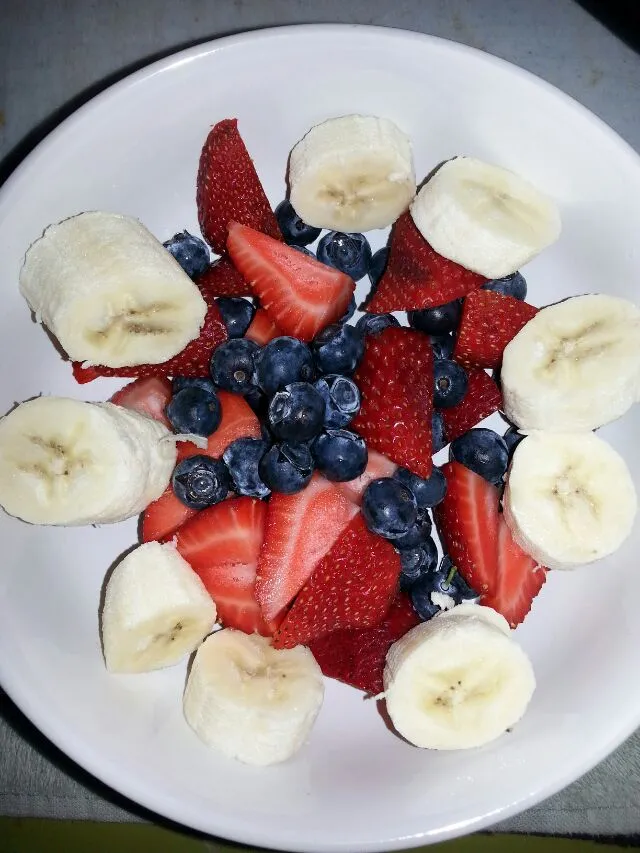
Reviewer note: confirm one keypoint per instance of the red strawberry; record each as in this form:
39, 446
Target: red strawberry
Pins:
262, 329
238, 421
482, 399
301, 295
489, 321
352, 586
222, 279
229, 188
147, 396
357, 656
300, 529
221, 543
395, 378
377, 466
163, 517
416, 276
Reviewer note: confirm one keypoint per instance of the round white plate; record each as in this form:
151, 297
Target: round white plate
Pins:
134, 149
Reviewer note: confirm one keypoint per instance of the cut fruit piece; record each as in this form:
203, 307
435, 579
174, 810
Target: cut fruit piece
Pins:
222, 279
148, 396
238, 421
482, 399
377, 466
262, 329
163, 517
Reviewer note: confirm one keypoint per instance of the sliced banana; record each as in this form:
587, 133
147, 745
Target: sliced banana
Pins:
68, 462
569, 498
352, 173
457, 681
574, 366
250, 701
479, 611
110, 292
156, 610
484, 217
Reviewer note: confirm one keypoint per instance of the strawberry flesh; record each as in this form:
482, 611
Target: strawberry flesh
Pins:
237, 421
164, 516
481, 399
377, 466
262, 329
148, 396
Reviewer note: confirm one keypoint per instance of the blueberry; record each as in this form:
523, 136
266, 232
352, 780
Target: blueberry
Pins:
242, 458
420, 595
341, 398
438, 437
237, 314
416, 562
194, 410
450, 383
258, 401
511, 285
232, 365
339, 454
190, 252
304, 251
286, 467
428, 493
282, 361
373, 324
338, 348
442, 345
512, 438
294, 230
438, 320
482, 451
416, 535
296, 413
200, 481
351, 310
377, 264
180, 382
449, 581
389, 508
349, 253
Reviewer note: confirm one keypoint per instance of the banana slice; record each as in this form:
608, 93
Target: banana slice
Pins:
574, 366
352, 173
250, 701
484, 217
478, 611
156, 610
457, 681
569, 498
110, 292
69, 462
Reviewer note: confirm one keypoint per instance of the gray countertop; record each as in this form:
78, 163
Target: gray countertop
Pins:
54, 54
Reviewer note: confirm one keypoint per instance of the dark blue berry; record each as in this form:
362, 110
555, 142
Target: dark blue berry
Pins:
200, 481
190, 252
349, 253
373, 324
338, 348
232, 365
511, 285
449, 581
428, 493
420, 595
304, 251
339, 454
351, 310
438, 437
512, 438
242, 458
377, 265
442, 345
389, 508
416, 562
180, 382
341, 398
438, 320
294, 230
282, 361
194, 410
416, 535
296, 413
286, 467
450, 383
258, 401
237, 314
483, 451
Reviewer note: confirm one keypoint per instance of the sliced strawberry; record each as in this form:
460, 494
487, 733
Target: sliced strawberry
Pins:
377, 466
228, 188
416, 276
147, 396
237, 421
221, 543
222, 279
357, 656
163, 517
300, 529
395, 378
482, 399
262, 329
489, 321
301, 295
352, 586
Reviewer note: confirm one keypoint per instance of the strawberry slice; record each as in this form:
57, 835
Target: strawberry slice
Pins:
395, 378
221, 543
148, 396
482, 399
377, 466
357, 656
352, 586
416, 276
300, 529
237, 421
262, 329
489, 321
301, 295
222, 279
228, 188
164, 516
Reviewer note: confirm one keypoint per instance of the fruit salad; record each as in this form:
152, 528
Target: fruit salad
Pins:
278, 440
